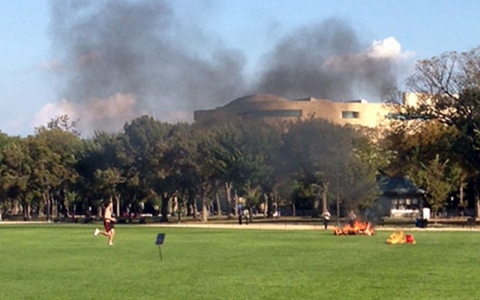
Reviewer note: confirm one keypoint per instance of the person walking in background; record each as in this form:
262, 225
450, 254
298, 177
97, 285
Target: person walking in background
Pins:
246, 214
108, 223
326, 218
240, 214
352, 217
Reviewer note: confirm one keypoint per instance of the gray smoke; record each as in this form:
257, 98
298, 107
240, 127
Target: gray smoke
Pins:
327, 61
112, 50
136, 48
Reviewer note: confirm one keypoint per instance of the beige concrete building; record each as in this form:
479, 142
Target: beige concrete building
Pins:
271, 107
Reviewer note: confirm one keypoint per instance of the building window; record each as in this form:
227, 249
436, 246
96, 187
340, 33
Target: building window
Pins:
396, 116
405, 117
350, 115
274, 113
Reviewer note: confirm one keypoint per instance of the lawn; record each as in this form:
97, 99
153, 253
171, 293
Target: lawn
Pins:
67, 262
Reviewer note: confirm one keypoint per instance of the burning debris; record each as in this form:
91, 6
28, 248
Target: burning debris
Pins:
400, 238
357, 228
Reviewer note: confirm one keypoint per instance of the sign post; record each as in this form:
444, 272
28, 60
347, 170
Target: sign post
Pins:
159, 242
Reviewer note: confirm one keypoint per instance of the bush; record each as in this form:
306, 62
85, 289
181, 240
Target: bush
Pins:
122, 221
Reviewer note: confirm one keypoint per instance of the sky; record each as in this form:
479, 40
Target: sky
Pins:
106, 62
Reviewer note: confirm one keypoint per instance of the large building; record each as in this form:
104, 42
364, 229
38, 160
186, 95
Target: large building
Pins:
266, 106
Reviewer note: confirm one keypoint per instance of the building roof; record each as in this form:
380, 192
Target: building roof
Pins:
255, 99
391, 186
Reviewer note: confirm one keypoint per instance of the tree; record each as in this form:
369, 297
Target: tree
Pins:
5, 142
148, 143
232, 161
448, 90
15, 175
63, 123
330, 158
433, 177
64, 147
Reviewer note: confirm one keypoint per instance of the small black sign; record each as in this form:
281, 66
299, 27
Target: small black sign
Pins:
160, 239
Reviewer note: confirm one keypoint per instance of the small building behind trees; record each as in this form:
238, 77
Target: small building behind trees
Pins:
399, 198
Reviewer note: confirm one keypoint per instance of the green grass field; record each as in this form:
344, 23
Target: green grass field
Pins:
67, 262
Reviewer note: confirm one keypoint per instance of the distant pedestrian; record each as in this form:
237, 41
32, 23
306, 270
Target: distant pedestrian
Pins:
352, 217
246, 213
240, 214
326, 218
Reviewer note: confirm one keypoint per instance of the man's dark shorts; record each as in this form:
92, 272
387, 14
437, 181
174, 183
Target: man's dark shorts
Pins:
108, 226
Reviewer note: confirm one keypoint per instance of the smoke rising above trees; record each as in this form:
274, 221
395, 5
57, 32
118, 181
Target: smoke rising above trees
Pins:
112, 49
330, 61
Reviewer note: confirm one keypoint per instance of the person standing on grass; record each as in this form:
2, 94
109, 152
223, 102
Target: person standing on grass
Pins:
326, 218
352, 217
108, 223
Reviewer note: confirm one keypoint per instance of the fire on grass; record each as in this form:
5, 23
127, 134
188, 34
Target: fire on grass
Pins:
357, 228
400, 238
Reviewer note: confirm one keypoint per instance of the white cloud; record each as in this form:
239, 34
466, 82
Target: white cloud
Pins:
388, 48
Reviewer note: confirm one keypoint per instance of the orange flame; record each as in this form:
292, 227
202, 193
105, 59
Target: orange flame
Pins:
358, 228
400, 238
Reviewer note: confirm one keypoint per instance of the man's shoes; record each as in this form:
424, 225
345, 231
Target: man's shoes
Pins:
96, 232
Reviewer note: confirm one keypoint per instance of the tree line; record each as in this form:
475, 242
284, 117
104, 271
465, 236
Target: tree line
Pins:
153, 163
310, 164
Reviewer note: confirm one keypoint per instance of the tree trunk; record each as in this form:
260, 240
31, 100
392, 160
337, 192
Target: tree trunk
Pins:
100, 208
164, 208
204, 208
219, 207
66, 209
316, 207
461, 195
49, 205
26, 212
59, 208
294, 210
324, 197
41, 206
55, 210
195, 210
235, 199
476, 196
228, 194
269, 205
179, 210
204, 213
192, 206
14, 206
117, 199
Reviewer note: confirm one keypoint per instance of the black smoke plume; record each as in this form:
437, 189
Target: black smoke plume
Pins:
327, 61
111, 49
136, 57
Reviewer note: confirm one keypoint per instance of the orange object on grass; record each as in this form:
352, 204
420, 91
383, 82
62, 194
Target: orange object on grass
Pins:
410, 239
358, 228
400, 238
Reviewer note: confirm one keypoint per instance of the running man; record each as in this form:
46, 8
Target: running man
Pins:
108, 223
